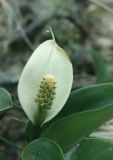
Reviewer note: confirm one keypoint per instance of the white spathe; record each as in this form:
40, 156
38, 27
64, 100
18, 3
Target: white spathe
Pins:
48, 58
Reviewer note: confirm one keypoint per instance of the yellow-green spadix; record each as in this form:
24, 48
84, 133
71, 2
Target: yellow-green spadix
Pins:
45, 82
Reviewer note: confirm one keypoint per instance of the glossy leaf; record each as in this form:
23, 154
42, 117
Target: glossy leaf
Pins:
88, 98
71, 129
95, 149
71, 154
42, 149
5, 101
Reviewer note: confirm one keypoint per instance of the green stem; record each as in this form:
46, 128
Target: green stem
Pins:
41, 116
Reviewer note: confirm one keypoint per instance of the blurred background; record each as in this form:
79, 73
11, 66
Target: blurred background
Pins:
84, 28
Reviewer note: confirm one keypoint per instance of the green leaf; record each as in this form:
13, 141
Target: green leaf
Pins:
95, 149
32, 131
5, 101
71, 154
42, 149
71, 129
87, 98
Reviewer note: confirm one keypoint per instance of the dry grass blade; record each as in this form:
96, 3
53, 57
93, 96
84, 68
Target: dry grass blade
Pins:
102, 5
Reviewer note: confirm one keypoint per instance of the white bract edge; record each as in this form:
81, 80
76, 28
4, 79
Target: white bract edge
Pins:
48, 58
